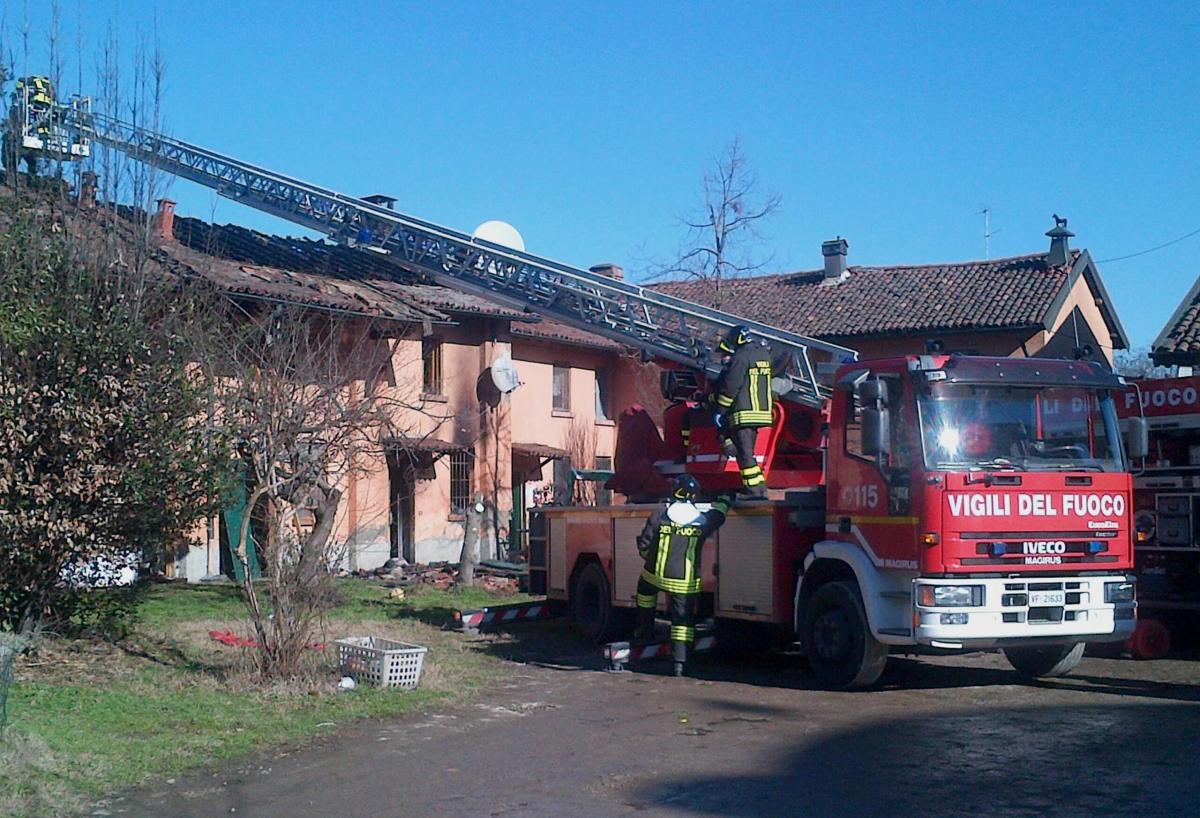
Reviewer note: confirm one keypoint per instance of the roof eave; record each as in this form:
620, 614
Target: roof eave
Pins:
1164, 335
1084, 266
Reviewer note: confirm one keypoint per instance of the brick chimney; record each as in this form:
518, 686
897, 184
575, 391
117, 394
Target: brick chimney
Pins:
835, 257
608, 269
88, 183
164, 220
1060, 249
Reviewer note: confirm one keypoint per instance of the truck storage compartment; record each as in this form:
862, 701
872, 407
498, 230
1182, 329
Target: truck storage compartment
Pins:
745, 561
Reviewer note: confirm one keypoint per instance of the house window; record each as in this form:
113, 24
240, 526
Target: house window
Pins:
562, 388
462, 466
603, 387
431, 360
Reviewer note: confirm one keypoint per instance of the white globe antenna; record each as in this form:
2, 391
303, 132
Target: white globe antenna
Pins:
502, 233
504, 374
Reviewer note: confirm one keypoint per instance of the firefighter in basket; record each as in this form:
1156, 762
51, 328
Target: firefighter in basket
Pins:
742, 403
670, 544
32, 100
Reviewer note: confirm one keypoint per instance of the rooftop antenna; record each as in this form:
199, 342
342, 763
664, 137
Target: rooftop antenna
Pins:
987, 231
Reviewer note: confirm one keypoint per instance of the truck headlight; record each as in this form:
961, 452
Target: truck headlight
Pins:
950, 596
1118, 592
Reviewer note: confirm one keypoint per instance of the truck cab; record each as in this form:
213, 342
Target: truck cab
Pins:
982, 502
932, 503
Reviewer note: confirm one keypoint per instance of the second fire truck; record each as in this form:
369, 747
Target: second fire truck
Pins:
1166, 504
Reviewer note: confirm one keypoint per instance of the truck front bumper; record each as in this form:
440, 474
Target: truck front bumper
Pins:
1010, 611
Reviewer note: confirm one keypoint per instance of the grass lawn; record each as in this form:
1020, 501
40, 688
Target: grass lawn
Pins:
87, 719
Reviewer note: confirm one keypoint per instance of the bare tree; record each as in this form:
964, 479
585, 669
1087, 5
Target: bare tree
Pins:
1137, 363
310, 399
723, 231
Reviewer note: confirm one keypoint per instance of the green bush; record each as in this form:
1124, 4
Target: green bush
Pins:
102, 452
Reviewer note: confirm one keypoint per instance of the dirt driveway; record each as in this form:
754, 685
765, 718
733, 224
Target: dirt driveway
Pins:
943, 737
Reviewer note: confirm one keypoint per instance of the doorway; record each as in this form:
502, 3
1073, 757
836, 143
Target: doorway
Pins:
402, 489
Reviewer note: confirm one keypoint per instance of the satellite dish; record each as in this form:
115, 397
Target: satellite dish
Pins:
502, 233
504, 374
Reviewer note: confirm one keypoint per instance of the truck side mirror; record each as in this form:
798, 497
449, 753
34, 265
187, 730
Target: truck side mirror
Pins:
873, 392
1137, 437
876, 432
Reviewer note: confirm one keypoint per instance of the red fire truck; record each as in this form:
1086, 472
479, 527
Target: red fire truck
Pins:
918, 502
932, 502
1167, 498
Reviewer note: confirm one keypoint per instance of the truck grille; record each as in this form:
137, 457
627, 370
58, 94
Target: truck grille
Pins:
1017, 596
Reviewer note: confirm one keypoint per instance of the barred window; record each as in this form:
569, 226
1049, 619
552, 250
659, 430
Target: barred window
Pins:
462, 466
431, 360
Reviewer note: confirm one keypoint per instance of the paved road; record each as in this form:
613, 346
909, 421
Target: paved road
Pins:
944, 737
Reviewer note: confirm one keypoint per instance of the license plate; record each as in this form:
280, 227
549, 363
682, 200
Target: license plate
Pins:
1046, 599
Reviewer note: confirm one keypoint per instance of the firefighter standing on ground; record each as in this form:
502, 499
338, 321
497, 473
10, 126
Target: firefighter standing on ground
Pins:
742, 402
670, 544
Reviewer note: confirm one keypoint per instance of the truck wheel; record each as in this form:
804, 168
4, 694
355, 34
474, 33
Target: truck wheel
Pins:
592, 612
837, 638
1047, 662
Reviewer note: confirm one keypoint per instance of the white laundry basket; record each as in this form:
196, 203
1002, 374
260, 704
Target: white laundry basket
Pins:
382, 662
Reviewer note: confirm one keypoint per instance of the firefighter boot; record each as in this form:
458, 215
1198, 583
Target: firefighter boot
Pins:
758, 492
645, 625
679, 651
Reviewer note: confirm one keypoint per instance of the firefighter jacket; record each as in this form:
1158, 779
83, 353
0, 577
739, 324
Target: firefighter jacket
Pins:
671, 541
744, 388
43, 91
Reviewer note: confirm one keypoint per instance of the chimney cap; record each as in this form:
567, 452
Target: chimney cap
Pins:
381, 199
834, 247
609, 269
1059, 231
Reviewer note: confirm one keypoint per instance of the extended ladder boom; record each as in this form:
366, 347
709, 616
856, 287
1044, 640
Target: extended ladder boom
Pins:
655, 323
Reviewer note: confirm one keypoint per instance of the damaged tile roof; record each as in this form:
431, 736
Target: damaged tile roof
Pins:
332, 276
1179, 341
319, 273
1005, 293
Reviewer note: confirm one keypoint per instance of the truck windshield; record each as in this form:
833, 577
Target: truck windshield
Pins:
973, 426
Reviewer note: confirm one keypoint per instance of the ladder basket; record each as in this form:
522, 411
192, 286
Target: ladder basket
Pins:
382, 662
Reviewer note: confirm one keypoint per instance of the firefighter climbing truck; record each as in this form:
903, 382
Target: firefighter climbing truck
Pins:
1166, 492
918, 502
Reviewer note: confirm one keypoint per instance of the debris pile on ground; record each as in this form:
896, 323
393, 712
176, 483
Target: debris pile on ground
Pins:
493, 575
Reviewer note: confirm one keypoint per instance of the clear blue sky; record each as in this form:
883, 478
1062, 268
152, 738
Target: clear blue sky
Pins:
588, 125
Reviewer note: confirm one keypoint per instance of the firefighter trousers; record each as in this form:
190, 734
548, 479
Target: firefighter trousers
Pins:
680, 607
743, 441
